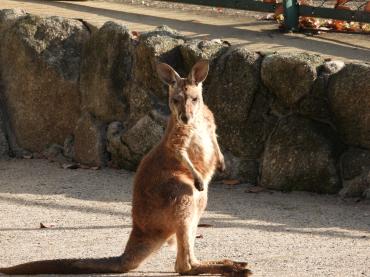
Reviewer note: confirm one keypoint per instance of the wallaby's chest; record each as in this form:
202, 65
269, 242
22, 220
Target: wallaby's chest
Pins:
201, 147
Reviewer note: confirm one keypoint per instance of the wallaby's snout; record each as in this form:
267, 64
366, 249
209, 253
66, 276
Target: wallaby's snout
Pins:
184, 118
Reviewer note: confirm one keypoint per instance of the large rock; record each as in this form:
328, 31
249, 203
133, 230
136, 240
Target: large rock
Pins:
349, 97
127, 147
9, 16
301, 155
242, 169
106, 68
290, 76
355, 166
194, 50
40, 60
239, 104
145, 91
90, 141
4, 145
315, 105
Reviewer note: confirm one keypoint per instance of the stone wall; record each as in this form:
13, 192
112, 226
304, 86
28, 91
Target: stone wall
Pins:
75, 93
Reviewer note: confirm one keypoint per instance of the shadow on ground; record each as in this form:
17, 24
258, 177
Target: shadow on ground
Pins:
298, 212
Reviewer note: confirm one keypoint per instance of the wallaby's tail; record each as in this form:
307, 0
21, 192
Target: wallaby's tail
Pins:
67, 266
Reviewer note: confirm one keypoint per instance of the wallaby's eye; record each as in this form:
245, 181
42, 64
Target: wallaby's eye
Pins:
195, 99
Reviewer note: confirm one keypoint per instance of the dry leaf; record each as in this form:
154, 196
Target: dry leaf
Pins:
28, 156
70, 166
135, 34
45, 226
270, 1
231, 182
367, 7
279, 10
95, 167
338, 25
205, 225
255, 189
341, 2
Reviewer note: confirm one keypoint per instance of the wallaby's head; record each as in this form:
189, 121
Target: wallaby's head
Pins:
185, 94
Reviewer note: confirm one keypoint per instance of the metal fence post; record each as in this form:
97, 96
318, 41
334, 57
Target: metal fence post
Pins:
291, 15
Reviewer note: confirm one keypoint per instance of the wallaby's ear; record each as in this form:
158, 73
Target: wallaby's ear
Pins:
199, 72
167, 74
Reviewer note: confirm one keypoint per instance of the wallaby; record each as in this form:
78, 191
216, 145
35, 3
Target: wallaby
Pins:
170, 190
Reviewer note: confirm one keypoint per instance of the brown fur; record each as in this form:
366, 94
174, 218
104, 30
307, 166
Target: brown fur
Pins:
170, 190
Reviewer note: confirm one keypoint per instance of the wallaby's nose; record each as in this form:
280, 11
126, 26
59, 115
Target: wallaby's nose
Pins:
184, 118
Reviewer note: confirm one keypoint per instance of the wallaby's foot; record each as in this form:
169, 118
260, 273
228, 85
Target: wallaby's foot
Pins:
224, 268
198, 183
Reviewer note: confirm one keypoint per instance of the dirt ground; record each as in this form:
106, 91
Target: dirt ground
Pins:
239, 28
88, 215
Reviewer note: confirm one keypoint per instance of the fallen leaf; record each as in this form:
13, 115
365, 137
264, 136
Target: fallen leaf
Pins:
255, 189
220, 10
70, 166
95, 167
231, 182
279, 10
199, 236
28, 156
270, 1
367, 7
45, 226
341, 2
205, 225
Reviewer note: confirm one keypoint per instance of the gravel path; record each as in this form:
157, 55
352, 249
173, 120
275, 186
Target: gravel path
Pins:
88, 212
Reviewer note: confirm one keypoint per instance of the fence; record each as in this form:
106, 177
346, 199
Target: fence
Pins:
292, 10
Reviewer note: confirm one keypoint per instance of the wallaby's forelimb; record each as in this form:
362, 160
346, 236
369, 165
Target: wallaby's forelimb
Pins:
181, 137
220, 157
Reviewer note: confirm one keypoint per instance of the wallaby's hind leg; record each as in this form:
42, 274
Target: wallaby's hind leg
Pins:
187, 264
139, 247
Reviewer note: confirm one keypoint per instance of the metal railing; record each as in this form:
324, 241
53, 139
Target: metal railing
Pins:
292, 10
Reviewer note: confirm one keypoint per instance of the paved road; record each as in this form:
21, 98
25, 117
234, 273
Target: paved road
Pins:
295, 234
257, 35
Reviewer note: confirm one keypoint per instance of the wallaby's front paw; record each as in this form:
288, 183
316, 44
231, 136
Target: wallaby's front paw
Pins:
198, 183
221, 167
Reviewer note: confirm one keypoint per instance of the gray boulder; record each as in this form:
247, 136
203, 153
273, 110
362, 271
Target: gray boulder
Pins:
355, 166
349, 98
301, 155
4, 145
44, 103
90, 141
106, 68
238, 168
290, 76
127, 147
145, 91
239, 104
9, 16
196, 49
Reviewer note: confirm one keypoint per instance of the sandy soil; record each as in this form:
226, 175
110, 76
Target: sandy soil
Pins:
279, 234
